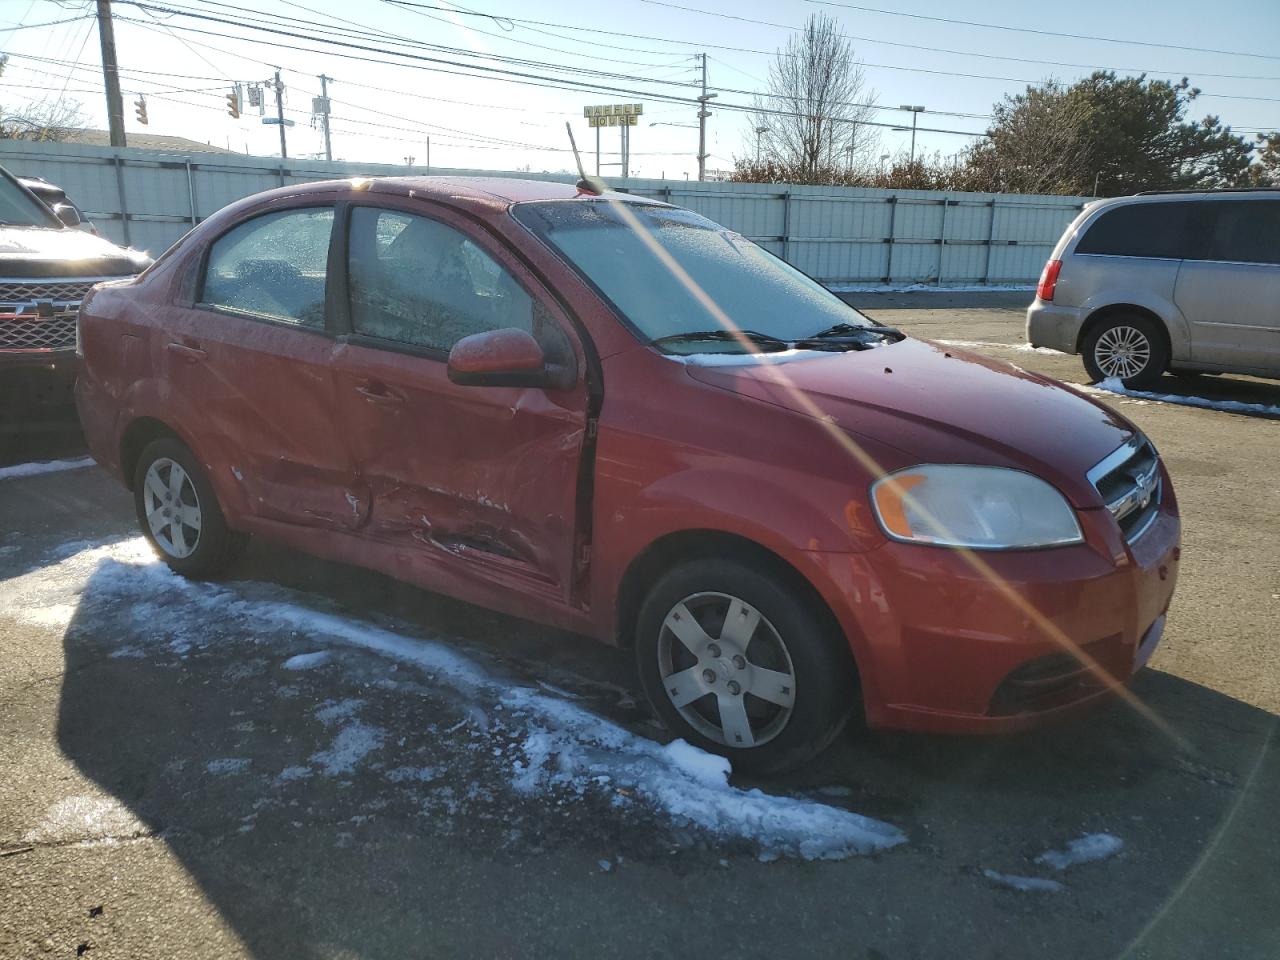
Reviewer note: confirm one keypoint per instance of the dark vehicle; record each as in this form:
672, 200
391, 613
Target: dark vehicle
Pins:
46, 268
56, 199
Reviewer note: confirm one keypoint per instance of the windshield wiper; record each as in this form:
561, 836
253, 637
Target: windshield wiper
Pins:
721, 335
842, 331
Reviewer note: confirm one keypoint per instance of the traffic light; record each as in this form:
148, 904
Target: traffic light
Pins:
233, 104
140, 108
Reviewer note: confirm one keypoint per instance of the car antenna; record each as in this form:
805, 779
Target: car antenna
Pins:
592, 185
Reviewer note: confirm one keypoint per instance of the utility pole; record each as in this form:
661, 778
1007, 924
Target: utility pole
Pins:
759, 132
284, 150
597, 151
324, 117
703, 113
428, 154
111, 74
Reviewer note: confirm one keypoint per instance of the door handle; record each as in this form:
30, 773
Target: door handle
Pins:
378, 393
189, 354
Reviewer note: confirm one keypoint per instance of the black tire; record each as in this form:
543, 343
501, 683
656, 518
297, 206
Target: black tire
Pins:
1104, 350
825, 683
213, 546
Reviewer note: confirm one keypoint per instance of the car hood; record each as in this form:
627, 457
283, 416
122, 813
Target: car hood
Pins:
51, 252
938, 404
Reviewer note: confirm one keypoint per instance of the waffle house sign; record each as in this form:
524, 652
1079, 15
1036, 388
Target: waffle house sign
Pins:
613, 114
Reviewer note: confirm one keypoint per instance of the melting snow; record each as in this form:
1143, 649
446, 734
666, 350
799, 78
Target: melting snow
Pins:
1026, 884
85, 818
227, 766
352, 744
561, 748
986, 345
307, 661
1085, 849
46, 466
1116, 386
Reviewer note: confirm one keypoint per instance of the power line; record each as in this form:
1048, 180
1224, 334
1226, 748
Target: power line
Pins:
1043, 33
487, 72
959, 53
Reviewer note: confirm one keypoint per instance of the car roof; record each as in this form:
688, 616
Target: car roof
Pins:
505, 189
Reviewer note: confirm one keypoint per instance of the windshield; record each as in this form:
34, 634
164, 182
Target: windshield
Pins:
19, 209
711, 273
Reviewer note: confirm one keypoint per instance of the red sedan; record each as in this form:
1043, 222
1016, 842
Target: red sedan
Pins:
616, 417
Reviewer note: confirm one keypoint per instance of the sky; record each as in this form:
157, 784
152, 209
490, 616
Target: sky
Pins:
648, 49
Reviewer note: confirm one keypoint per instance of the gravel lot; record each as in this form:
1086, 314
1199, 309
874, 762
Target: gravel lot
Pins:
302, 763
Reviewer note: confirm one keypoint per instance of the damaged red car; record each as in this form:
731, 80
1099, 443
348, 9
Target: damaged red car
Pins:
611, 415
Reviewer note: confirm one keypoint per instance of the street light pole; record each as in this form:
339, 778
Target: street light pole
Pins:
915, 113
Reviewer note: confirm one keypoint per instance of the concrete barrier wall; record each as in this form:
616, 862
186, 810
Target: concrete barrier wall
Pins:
840, 235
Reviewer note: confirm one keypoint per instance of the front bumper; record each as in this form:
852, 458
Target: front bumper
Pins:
1053, 326
36, 390
944, 647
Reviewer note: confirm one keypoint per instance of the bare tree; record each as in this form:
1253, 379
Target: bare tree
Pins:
39, 120
813, 120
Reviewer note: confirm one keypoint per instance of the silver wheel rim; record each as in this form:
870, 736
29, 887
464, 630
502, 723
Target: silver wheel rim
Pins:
1122, 351
172, 508
726, 670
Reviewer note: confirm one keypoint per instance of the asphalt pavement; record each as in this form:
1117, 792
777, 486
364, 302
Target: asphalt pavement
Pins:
300, 762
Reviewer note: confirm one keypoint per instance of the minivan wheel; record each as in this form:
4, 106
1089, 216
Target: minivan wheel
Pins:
737, 662
1126, 346
179, 512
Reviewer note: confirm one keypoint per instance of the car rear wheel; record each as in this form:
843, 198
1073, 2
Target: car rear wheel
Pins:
1127, 347
179, 512
739, 663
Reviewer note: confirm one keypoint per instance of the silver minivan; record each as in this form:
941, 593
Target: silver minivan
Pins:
1184, 282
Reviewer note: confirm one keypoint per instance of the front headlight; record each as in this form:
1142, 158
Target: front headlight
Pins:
984, 508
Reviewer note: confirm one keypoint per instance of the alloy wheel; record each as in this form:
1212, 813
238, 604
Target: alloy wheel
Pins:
1122, 351
172, 508
726, 669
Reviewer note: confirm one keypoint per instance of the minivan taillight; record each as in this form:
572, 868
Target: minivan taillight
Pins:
1048, 279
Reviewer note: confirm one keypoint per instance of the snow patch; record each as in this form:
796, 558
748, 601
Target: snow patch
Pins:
352, 744
307, 661
227, 766
44, 466
1115, 385
560, 749
987, 345
1085, 849
331, 711
1025, 884
289, 774
85, 818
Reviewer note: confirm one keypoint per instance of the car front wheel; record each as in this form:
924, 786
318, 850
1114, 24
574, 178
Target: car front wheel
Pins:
738, 662
179, 512
1127, 347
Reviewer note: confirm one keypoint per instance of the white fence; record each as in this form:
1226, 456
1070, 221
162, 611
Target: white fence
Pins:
840, 235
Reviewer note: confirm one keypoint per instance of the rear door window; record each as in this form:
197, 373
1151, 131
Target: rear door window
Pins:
273, 266
1160, 230
1242, 231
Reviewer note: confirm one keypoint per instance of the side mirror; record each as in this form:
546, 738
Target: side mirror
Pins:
67, 214
503, 358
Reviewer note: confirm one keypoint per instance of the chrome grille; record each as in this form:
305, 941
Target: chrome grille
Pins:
52, 288
41, 314
1129, 482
